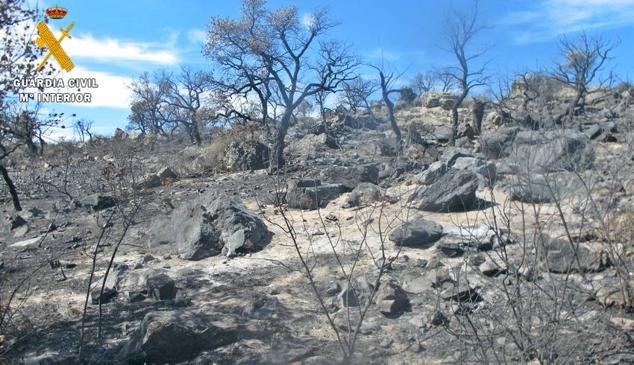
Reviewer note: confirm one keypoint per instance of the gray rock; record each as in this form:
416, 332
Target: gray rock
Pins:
437, 318
13, 221
161, 286
110, 287
450, 249
177, 336
485, 169
559, 256
497, 143
262, 306
364, 195
30, 244
208, 226
351, 176
392, 299
98, 201
551, 151
454, 191
246, 155
311, 194
166, 174
356, 293
418, 232
538, 188
451, 154
433, 173
333, 289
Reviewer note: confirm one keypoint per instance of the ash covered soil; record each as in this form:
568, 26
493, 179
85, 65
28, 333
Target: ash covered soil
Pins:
515, 246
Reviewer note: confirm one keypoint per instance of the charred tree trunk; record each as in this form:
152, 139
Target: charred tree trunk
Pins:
277, 152
454, 117
12, 190
477, 114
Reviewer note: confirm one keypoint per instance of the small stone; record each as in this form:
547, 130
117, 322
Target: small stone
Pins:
21, 231
450, 249
438, 319
161, 286
333, 289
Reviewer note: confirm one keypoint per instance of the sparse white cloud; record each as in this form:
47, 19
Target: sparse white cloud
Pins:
546, 19
196, 35
112, 49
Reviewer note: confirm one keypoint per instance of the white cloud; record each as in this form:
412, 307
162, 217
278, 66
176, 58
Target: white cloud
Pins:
111, 49
196, 36
550, 18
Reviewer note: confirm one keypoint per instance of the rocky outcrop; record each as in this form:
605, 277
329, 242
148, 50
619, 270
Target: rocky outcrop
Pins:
351, 176
208, 226
551, 151
177, 336
454, 191
311, 194
418, 232
364, 194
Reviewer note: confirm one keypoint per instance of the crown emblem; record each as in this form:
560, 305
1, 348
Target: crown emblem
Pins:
56, 12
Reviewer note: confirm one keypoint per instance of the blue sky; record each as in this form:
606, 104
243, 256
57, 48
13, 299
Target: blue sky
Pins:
115, 41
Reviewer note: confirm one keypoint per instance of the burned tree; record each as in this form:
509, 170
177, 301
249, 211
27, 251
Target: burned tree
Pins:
356, 94
386, 83
272, 52
83, 129
149, 114
584, 59
184, 95
424, 82
461, 31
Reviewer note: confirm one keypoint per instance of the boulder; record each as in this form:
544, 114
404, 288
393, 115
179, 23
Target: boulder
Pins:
177, 336
311, 194
208, 226
418, 232
351, 176
451, 154
551, 151
392, 299
538, 188
559, 256
360, 121
166, 174
110, 287
309, 146
245, 155
494, 119
454, 191
486, 170
12, 222
160, 285
497, 143
364, 194
98, 201
432, 173
435, 100
120, 134
30, 244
